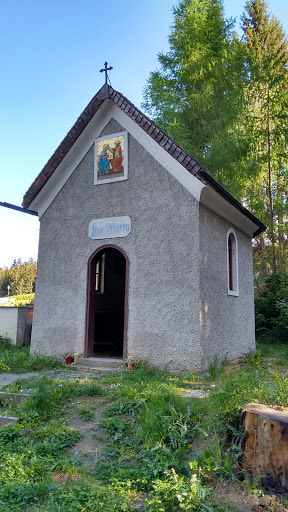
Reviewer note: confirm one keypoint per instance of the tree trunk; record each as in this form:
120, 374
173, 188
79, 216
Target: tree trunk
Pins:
270, 197
265, 450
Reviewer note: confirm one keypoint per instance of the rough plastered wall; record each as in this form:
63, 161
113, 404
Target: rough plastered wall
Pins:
162, 248
8, 323
226, 321
13, 321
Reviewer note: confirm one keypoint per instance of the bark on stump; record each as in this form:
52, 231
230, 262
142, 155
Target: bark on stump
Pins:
265, 450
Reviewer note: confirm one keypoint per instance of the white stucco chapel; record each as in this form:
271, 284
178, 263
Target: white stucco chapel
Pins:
142, 254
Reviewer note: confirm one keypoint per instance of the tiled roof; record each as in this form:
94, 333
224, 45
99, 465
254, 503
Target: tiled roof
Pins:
151, 128
131, 111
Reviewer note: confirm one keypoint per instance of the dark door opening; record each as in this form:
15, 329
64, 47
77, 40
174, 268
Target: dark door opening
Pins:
106, 304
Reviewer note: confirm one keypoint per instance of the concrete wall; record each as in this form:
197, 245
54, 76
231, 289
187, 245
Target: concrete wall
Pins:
227, 321
13, 321
162, 248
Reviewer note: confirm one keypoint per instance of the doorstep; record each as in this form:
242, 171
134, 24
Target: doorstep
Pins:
99, 363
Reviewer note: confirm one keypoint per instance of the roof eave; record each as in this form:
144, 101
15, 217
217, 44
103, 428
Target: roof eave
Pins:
159, 136
231, 199
66, 144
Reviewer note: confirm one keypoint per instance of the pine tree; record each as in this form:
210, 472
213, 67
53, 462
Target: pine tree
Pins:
21, 277
226, 102
266, 124
194, 95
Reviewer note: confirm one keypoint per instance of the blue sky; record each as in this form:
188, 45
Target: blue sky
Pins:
51, 54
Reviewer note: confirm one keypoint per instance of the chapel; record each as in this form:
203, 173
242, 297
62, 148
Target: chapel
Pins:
142, 254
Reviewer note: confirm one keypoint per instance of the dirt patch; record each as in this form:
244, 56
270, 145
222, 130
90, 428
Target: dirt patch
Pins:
65, 478
89, 448
237, 498
242, 500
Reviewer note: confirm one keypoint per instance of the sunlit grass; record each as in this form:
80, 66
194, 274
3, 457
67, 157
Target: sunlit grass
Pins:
148, 431
18, 359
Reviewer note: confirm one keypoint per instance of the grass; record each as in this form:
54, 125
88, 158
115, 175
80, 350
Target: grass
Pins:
18, 359
154, 446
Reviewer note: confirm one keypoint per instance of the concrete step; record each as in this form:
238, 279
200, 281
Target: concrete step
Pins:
13, 398
89, 369
5, 420
100, 363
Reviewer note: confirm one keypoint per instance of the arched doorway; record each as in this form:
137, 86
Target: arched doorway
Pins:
107, 288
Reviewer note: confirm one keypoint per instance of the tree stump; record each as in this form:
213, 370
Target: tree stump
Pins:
265, 447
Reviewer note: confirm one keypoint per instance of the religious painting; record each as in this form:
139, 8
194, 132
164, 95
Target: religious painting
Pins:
111, 158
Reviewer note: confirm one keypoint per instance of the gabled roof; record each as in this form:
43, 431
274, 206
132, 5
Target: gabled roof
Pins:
151, 128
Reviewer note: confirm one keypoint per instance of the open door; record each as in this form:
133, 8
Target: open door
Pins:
107, 303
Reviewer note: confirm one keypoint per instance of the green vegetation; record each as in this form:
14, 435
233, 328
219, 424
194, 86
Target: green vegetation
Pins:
224, 98
146, 440
18, 359
18, 300
271, 308
21, 300
20, 278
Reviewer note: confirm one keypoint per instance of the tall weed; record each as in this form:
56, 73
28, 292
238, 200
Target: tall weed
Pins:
18, 359
51, 395
174, 493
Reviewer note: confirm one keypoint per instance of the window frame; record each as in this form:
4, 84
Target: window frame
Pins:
100, 274
232, 264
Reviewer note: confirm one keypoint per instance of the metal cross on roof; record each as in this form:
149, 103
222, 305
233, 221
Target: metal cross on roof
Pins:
106, 69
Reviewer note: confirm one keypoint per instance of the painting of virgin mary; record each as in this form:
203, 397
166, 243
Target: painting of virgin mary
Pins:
104, 162
111, 158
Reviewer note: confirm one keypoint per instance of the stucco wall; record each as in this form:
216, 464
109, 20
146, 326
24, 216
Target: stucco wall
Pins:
227, 322
13, 321
162, 248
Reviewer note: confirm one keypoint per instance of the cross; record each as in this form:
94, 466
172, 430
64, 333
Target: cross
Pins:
106, 69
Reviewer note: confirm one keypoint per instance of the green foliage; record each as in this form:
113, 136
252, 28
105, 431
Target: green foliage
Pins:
18, 359
174, 493
166, 419
28, 455
192, 96
85, 496
241, 387
32, 451
271, 308
265, 122
215, 368
252, 360
21, 277
116, 427
51, 396
217, 460
147, 431
25, 296
22, 300
86, 414
225, 100
281, 322
148, 428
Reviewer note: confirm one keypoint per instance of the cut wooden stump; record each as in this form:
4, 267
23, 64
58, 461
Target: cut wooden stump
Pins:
265, 447
5, 420
13, 398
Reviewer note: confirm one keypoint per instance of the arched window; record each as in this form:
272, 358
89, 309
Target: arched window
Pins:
232, 263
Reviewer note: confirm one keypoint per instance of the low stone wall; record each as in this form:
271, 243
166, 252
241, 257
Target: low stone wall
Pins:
13, 324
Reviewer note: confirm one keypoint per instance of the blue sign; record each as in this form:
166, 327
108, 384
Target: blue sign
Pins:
112, 227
